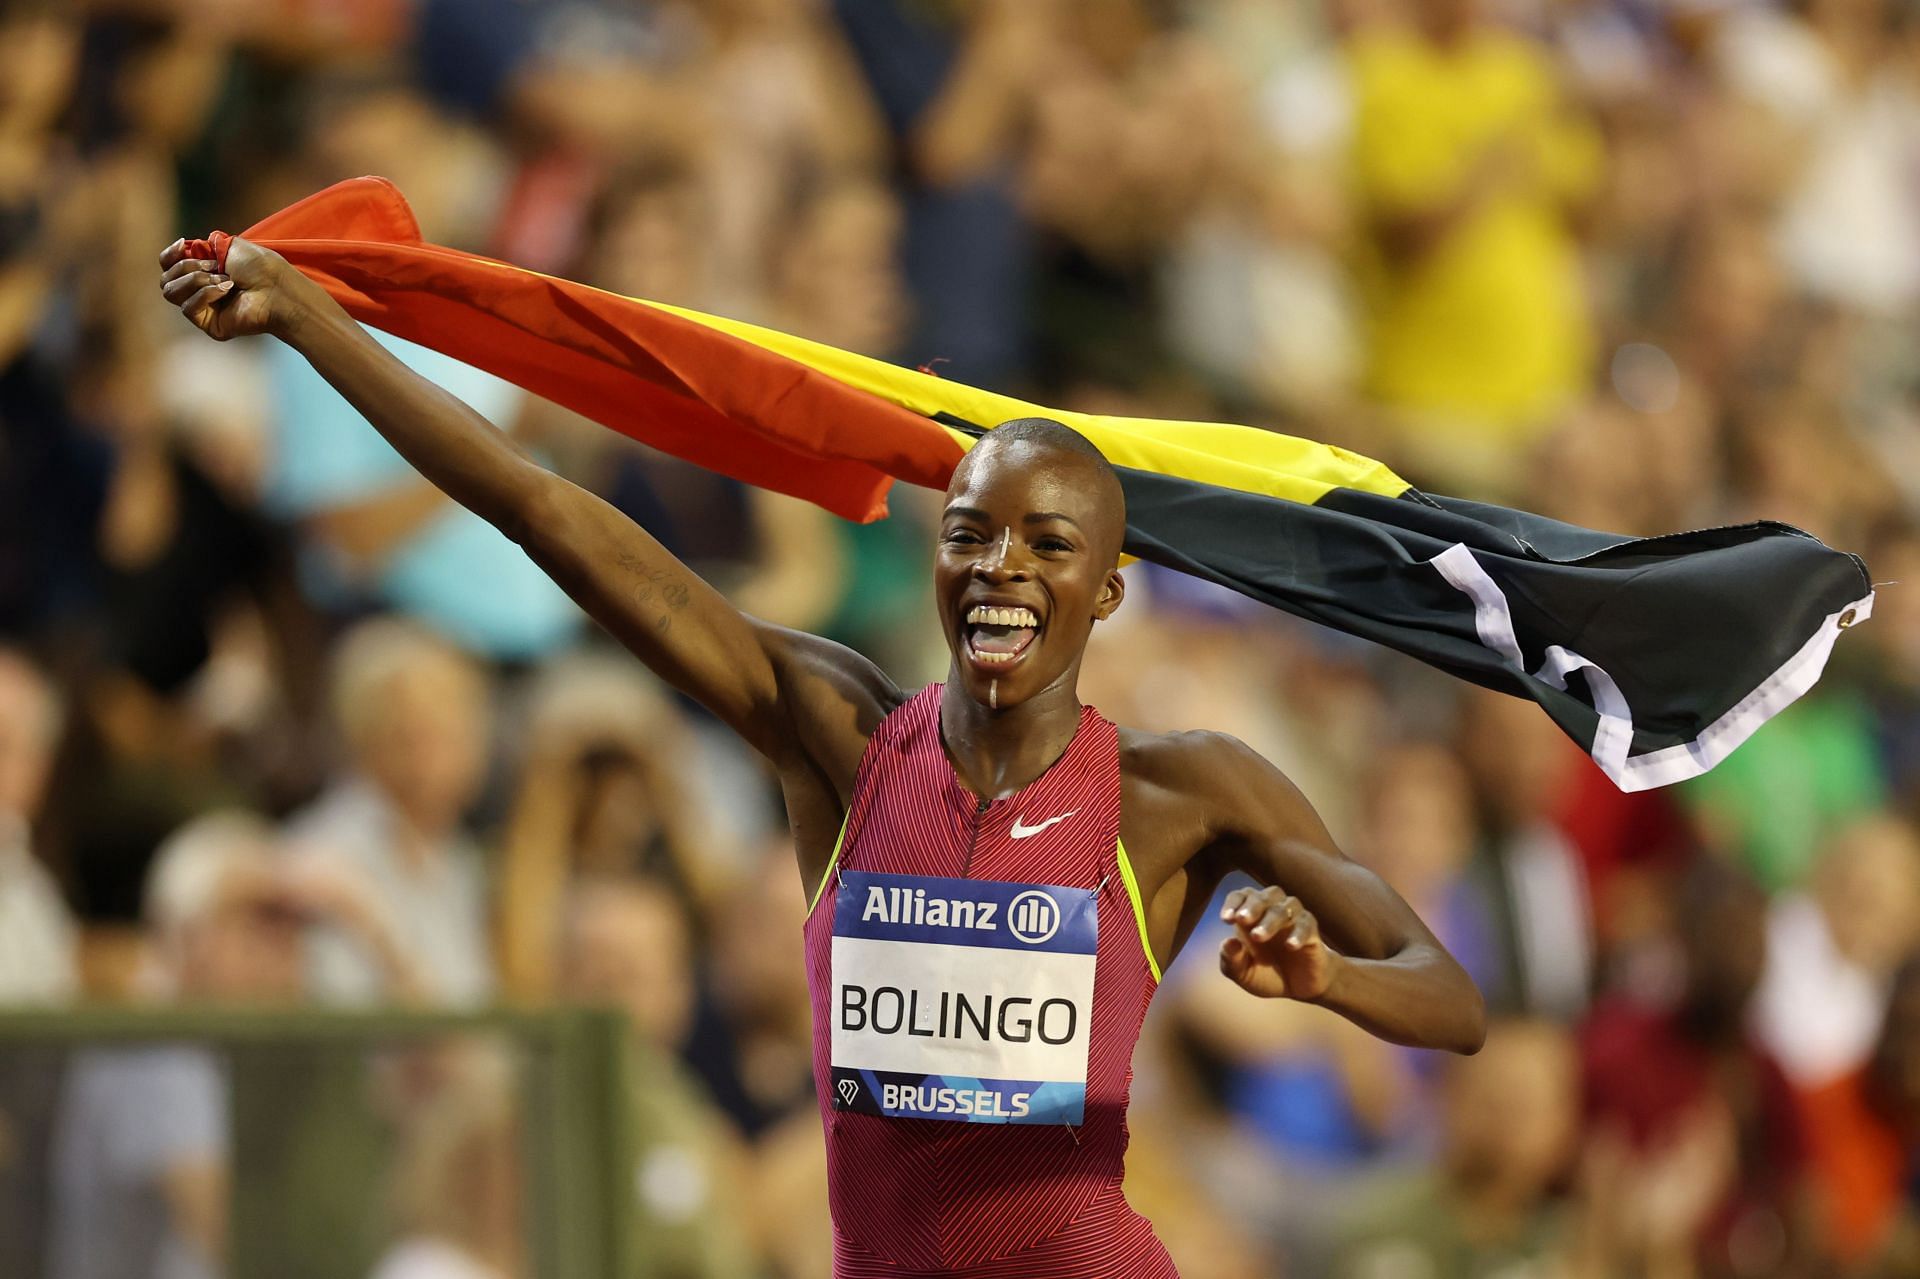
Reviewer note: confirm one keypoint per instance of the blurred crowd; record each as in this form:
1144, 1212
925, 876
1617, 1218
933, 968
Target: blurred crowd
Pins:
279, 727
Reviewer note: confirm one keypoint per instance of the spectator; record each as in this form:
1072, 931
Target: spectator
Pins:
1316, 1109
1696, 1153
141, 1166
42, 47
1864, 1129
611, 788
38, 963
459, 1186
1521, 768
627, 945
564, 73
782, 111
1466, 161
1420, 833
1845, 119
413, 711
1510, 1117
645, 236
141, 1142
1257, 294
378, 531
953, 92
757, 1055
836, 277
1832, 951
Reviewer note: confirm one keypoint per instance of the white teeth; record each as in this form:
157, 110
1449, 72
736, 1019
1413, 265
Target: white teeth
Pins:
1002, 616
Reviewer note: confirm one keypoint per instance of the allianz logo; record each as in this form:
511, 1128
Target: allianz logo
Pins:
1032, 917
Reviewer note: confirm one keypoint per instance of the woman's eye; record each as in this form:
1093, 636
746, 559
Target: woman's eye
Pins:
961, 537
1052, 544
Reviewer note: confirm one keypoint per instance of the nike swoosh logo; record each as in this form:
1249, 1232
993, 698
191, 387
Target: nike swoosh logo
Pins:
1021, 831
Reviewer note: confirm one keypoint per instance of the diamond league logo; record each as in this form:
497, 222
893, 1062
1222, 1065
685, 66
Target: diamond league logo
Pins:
848, 1089
1033, 917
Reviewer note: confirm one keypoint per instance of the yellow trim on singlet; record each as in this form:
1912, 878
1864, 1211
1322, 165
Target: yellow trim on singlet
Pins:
1139, 910
832, 862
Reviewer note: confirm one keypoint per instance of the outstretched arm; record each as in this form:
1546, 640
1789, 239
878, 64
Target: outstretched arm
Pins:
795, 698
1325, 929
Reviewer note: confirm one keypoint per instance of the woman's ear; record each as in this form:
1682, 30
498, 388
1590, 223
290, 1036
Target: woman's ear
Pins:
1112, 591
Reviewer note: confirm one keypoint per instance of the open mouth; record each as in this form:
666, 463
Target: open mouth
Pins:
998, 636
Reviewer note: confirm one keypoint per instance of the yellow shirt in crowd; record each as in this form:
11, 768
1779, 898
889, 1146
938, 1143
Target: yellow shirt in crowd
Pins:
1485, 333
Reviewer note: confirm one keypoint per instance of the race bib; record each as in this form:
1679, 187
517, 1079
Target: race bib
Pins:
962, 999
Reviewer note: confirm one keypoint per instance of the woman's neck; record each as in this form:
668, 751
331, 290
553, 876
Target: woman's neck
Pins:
996, 752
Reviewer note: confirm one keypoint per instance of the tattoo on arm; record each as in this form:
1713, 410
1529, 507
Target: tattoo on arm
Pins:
673, 593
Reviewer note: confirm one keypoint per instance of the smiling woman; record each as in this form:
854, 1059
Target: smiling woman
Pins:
1100, 847
1025, 602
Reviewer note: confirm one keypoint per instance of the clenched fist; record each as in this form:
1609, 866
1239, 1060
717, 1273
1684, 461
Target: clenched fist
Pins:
1276, 951
257, 293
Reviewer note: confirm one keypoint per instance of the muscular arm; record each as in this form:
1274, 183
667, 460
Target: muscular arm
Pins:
804, 703
1346, 935
677, 624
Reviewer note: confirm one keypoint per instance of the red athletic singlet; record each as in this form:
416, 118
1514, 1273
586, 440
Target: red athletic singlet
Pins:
971, 984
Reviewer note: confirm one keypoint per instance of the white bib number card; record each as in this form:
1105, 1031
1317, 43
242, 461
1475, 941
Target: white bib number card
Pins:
962, 999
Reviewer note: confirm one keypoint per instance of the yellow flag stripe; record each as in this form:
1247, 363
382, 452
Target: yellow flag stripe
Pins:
1235, 457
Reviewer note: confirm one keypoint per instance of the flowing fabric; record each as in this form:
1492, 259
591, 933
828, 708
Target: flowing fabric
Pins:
1658, 655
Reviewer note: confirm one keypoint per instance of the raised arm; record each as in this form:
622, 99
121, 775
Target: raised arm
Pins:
1323, 929
804, 703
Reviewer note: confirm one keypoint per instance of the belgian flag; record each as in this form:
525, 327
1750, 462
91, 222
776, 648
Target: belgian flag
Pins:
1658, 655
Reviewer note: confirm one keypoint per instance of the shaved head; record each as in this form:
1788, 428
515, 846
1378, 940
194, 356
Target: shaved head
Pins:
1027, 560
1028, 441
